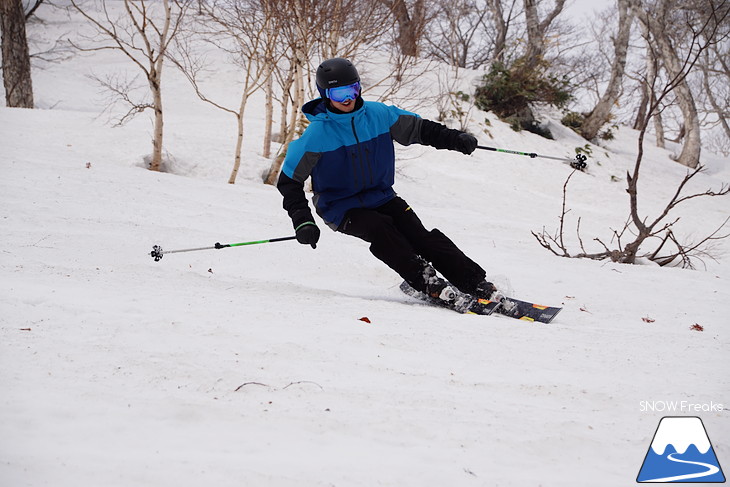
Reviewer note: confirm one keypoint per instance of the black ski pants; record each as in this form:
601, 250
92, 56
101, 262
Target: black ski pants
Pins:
398, 238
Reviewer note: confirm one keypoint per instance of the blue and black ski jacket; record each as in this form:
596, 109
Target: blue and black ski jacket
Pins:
350, 157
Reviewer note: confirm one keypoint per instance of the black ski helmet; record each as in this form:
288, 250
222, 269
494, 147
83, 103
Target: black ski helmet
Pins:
335, 72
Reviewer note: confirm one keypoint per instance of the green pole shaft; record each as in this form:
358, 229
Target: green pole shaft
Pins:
255, 242
529, 154
157, 251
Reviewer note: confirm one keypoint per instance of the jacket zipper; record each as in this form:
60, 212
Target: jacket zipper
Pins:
370, 165
353, 156
359, 150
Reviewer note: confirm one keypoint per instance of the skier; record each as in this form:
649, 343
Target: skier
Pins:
347, 149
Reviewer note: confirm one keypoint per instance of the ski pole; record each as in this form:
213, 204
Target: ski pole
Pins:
157, 251
578, 163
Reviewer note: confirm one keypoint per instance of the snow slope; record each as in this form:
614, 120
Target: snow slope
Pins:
252, 366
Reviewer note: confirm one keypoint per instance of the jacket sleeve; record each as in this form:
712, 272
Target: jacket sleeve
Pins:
297, 167
295, 202
408, 128
438, 135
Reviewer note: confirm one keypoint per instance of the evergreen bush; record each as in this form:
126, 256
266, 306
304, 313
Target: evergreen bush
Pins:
573, 120
509, 92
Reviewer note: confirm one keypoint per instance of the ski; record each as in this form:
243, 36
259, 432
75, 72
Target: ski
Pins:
511, 307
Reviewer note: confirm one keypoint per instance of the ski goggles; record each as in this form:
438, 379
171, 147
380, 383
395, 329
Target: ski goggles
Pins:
342, 93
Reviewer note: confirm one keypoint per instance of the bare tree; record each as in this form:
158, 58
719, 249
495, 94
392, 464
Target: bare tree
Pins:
285, 82
644, 228
511, 89
268, 107
647, 80
412, 17
669, 24
295, 123
501, 25
346, 35
601, 113
33, 7
299, 31
715, 90
15, 56
471, 33
25, 47
143, 33
459, 34
718, 90
649, 87
537, 30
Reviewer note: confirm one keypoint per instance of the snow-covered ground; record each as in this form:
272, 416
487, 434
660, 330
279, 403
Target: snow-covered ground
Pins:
252, 366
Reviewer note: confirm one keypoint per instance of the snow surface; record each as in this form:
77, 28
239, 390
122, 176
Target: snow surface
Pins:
252, 366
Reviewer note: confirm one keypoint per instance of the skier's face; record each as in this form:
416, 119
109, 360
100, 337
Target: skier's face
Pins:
346, 106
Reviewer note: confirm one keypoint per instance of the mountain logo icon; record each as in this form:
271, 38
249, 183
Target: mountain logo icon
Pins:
681, 452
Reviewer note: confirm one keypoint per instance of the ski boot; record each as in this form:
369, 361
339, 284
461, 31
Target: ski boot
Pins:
487, 290
438, 288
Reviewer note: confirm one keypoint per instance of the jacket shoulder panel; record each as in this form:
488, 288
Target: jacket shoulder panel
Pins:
303, 153
404, 126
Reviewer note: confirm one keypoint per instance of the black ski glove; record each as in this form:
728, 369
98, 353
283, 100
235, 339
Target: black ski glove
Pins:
308, 233
465, 143
306, 230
